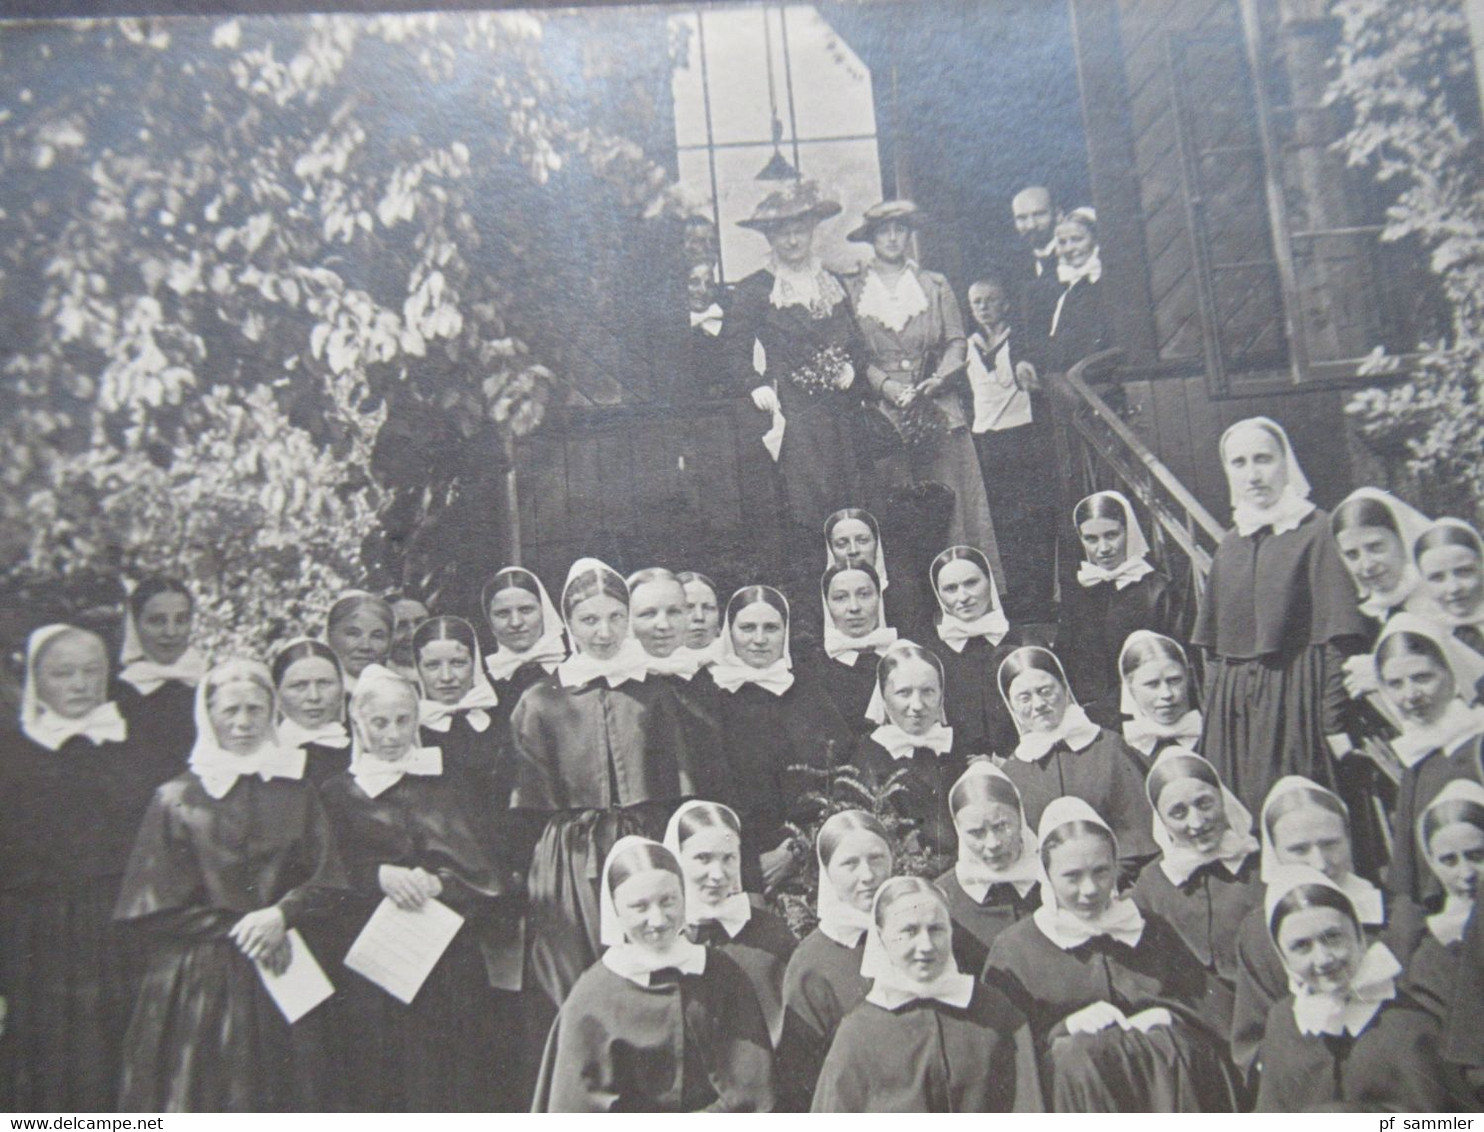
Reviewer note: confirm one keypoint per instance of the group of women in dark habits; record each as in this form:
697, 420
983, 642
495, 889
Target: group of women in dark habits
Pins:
1057, 899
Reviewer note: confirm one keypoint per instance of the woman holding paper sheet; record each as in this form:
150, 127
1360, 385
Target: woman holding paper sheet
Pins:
410, 846
233, 858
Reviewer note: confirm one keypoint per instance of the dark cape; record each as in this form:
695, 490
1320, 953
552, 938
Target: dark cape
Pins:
977, 923
1276, 621
1083, 328
686, 1043
849, 686
1094, 624
67, 822
822, 984
980, 720
451, 1048
206, 1036
924, 779
762, 949
162, 720
322, 763
1176, 1068
927, 1056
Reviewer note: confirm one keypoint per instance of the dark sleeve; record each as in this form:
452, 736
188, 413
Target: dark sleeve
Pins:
163, 891
811, 1012
1463, 1037
736, 1048
326, 883
1260, 983
1336, 616
845, 1076
1128, 805
532, 747
578, 1072
739, 330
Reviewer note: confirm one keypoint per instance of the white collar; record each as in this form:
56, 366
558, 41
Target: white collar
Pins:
1075, 729
1285, 515
1459, 721
733, 913
548, 652
332, 734
891, 990
1121, 921
581, 669
976, 878
146, 675
1349, 1011
102, 725
847, 650
1091, 270
1179, 862
683, 662
1378, 605
730, 674
474, 705
894, 304
638, 964
1144, 734
708, 320
900, 745
813, 288
376, 776
956, 634
1447, 926
219, 770
1125, 574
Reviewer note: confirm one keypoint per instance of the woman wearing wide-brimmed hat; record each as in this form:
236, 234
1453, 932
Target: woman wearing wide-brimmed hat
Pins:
800, 314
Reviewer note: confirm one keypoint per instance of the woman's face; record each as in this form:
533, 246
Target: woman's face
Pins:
758, 634
241, 716
386, 723
1374, 556
1456, 856
1194, 814
651, 908
990, 832
405, 616
311, 692
1105, 542
918, 936
599, 625
792, 242
72, 674
1321, 948
658, 617
360, 639
515, 619
1074, 244
164, 626
852, 543
711, 860
914, 696
703, 615
1082, 873
1161, 689
963, 590
1038, 699
1255, 467
446, 669
1454, 579
854, 604
1315, 837
1418, 687
891, 240
860, 865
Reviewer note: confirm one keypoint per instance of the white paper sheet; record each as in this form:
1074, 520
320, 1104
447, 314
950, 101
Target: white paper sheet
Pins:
303, 984
397, 950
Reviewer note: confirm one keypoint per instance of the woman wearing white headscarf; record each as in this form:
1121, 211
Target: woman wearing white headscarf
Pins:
1113, 996
234, 857
73, 787
159, 667
928, 1037
527, 629
1277, 620
459, 712
855, 636
311, 705
1158, 701
976, 637
1376, 532
1117, 591
659, 1023
600, 753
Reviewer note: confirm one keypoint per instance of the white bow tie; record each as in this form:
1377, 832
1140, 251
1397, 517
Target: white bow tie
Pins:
976, 878
638, 964
956, 634
548, 652
475, 705
776, 678
708, 320
891, 990
846, 650
1144, 734
1349, 1011
1075, 729
1125, 574
683, 662
218, 770
900, 745
1121, 922
332, 734
102, 725
581, 669
733, 914
376, 776
147, 675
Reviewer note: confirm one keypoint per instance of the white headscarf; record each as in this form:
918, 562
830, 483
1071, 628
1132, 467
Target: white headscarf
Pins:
147, 674
219, 769
892, 987
847, 650
1179, 861
376, 775
1447, 926
634, 961
896, 739
735, 911
1075, 728
475, 704
1410, 523
992, 624
1291, 508
1364, 896
367, 597
1434, 611
1347, 1011
1140, 731
974, 876
838, 920
548, 651
1120, 921
1462, 719
1135, 564
331, 734
40, 723
864, 516
731, 672
581, 669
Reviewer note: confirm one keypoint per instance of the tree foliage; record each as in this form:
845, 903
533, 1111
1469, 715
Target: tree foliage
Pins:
1403, 70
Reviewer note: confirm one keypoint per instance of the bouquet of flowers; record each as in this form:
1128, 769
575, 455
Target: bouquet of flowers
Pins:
830, 370
923, 421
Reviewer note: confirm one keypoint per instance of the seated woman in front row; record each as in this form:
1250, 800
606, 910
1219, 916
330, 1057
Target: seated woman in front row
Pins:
927, 1037
658, 1024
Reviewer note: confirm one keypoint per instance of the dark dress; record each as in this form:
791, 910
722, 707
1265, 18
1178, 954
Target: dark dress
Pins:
67, 822
819, 461
322, 762
762, 949
822, 984
976, 923
927, 1056
977, 713
473, 759
1463, 1037
1083, 327
1107, 774
1176, 1068
161, 720
686, 1043
1431, 977
599, 763
925, 778
1095, 622
1276, 620
206, 1036
449, 1050
849, 687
